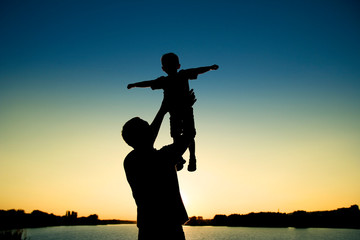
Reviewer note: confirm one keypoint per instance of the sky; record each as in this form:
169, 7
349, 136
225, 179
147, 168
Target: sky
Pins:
278, 124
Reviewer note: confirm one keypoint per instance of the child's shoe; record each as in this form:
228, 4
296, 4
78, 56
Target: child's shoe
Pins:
180, 164
192, 165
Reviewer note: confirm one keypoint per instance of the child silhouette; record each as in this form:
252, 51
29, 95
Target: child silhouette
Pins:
176, 91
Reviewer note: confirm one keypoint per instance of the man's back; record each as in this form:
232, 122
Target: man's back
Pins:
153, 180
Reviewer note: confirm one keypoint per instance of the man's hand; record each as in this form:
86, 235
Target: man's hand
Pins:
130, 86
214, 67
191, 98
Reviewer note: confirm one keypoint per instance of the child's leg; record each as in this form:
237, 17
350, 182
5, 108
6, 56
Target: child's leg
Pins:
192, 161
180, 160
175, 132
189, 129
192, 149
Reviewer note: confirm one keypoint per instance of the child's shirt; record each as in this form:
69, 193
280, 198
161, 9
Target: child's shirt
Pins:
176, 87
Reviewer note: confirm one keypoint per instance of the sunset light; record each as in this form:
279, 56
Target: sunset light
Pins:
278, 124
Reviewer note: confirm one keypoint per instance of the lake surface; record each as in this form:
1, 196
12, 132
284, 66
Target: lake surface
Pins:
129, 232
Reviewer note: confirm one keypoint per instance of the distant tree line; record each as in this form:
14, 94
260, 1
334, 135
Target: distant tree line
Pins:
18, 219
340, 218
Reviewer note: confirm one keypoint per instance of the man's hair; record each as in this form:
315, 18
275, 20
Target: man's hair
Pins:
133, 131
170, 60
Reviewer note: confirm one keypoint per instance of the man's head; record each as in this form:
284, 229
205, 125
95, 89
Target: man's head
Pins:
170, 63
137, 133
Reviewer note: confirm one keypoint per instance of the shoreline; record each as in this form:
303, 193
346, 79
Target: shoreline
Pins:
342, 218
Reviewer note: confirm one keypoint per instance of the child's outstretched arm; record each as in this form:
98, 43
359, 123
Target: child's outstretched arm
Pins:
201, 70
143, 84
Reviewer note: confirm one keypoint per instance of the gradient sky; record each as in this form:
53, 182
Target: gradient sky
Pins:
278, 125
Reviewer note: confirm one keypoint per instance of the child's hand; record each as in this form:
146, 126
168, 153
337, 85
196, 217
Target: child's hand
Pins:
214, 67
130, 86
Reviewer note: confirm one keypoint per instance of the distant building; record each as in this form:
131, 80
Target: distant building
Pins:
71, 214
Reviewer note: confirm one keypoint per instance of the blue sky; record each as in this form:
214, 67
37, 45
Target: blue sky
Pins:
259, 44
287, 88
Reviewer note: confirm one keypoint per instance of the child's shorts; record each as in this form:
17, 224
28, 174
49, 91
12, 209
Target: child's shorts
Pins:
182, 122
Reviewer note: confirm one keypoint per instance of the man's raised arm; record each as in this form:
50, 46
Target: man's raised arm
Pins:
156, 123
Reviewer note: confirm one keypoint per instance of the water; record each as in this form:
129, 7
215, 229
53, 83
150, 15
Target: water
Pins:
129, 232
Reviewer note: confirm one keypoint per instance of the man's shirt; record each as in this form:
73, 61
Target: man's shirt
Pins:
153, 179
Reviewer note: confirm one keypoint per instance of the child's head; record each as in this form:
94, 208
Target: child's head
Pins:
137, 133
170, 63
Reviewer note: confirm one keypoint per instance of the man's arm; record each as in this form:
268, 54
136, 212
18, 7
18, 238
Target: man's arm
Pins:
156, 123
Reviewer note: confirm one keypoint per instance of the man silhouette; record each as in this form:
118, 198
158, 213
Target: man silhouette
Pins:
152, 176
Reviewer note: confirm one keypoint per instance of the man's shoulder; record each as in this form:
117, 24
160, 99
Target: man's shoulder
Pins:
135, 158
168, 150
129, 158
